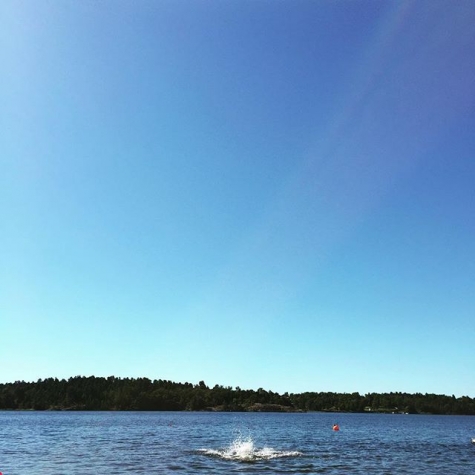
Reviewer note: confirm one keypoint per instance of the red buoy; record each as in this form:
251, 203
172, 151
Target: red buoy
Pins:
336, 427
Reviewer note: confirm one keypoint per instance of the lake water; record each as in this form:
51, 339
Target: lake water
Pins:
104, 443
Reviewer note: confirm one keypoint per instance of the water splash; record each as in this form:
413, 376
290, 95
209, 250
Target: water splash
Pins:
244, 450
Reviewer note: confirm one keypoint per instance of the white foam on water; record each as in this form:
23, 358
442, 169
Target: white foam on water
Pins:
244, 450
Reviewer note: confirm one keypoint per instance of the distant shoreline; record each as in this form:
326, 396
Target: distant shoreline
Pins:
142, 394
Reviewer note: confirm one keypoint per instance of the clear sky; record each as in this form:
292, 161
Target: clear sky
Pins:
275, 194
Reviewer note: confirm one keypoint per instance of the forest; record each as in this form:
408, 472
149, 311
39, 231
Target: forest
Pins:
142, 394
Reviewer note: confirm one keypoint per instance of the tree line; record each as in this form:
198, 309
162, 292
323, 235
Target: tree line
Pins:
142, 394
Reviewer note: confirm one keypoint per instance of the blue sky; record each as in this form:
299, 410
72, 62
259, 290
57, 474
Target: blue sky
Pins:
250, 193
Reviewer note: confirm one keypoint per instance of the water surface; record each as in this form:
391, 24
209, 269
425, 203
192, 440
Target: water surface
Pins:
67, 443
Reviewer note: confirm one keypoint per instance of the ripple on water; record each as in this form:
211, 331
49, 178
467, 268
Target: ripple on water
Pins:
244, 450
